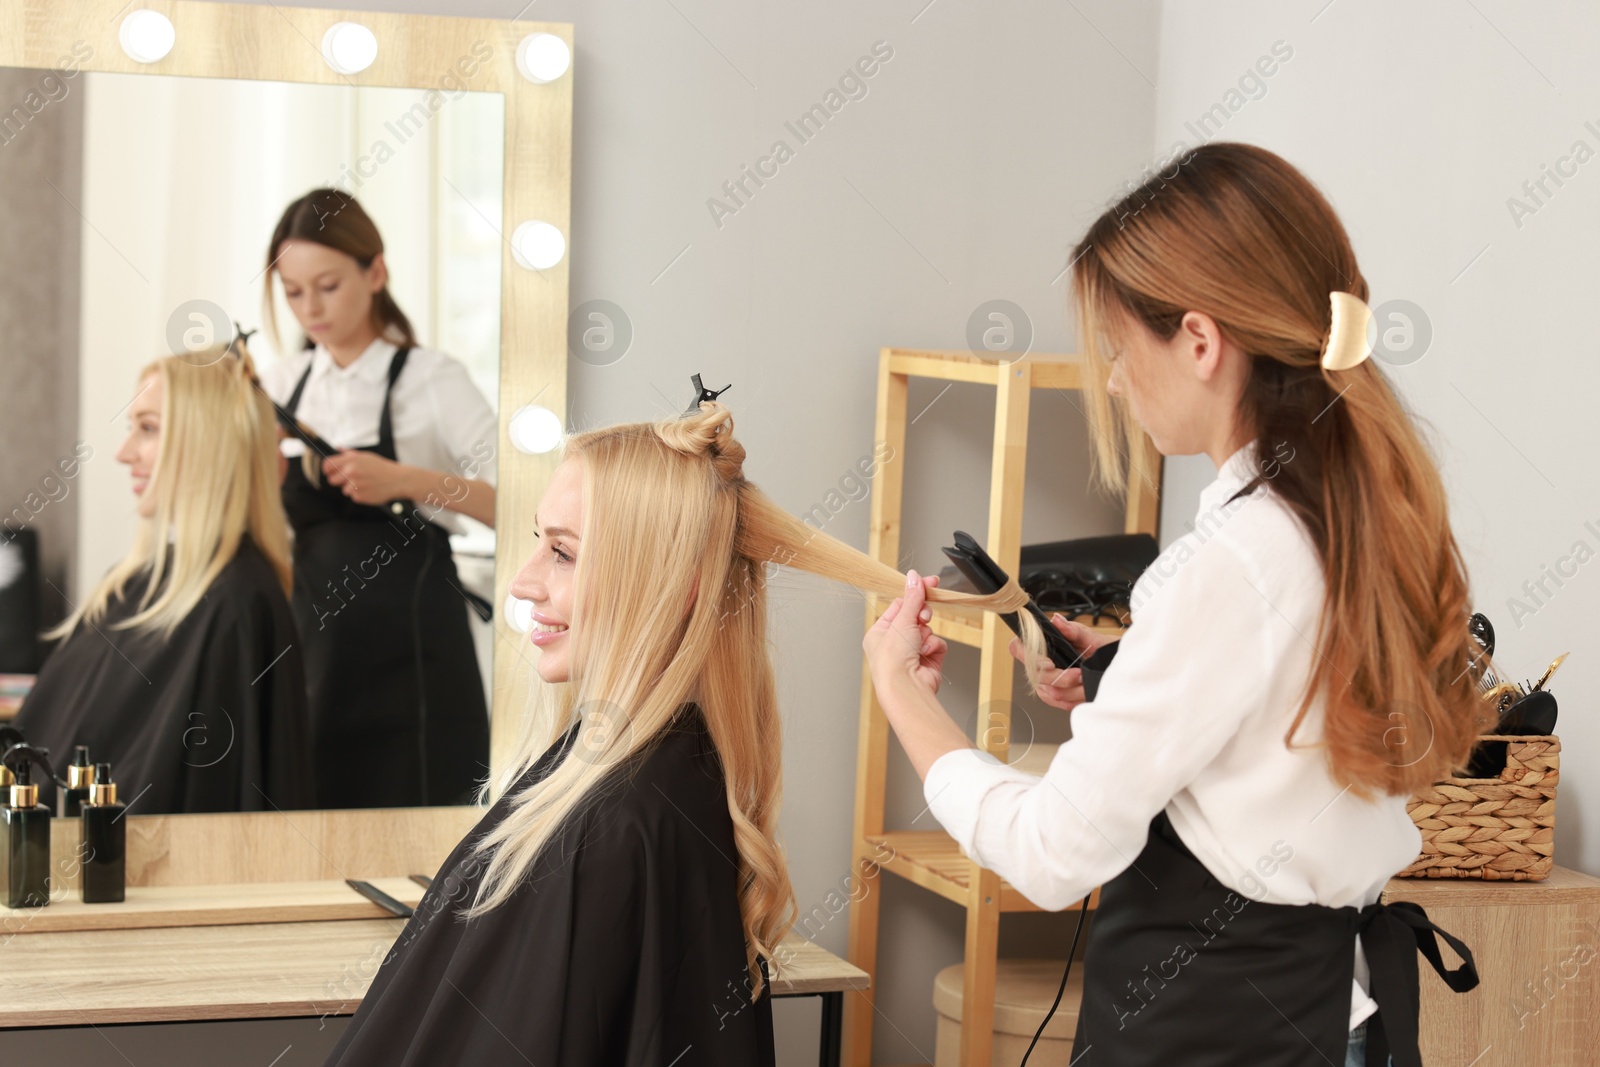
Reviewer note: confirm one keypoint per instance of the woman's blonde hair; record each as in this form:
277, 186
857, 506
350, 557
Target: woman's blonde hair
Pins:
1236, 232
215, 480
668, 511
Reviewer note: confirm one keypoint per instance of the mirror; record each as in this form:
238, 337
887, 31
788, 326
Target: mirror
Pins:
157, 192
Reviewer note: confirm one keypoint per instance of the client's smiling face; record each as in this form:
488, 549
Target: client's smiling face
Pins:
142, 447
545, 580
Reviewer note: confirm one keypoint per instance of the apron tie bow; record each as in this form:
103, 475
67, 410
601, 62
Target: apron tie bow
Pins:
1391, 936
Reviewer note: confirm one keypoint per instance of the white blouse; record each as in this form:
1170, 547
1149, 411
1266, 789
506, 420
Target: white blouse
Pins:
441, 422
1191, 718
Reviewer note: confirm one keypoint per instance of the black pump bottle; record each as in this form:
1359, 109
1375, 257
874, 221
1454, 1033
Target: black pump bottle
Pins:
9, 735
105, 842
25, 832
80, 777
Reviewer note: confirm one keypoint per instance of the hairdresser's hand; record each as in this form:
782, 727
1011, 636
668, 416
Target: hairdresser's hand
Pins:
900, 646
368, 478
1063, 688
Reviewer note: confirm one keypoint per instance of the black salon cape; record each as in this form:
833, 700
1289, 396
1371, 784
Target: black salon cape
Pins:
213, 718
626, 950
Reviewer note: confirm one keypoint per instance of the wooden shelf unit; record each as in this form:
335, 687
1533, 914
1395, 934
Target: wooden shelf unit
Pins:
931, 859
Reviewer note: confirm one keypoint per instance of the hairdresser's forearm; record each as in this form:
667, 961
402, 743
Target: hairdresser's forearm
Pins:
434, 490
926, 731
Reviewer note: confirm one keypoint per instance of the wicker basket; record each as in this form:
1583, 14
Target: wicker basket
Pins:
1496, 829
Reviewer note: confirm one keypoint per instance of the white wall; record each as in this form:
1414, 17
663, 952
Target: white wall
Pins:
1420, 122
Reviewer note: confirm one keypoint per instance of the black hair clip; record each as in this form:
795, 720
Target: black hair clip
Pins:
240, 336
291, 425
702, 394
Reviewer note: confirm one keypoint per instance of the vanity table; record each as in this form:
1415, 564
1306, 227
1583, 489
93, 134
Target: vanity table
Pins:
1537, 944
274, 971
219, 928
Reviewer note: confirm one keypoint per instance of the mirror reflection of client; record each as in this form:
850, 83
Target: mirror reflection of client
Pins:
396, 696
626, 889
182, 668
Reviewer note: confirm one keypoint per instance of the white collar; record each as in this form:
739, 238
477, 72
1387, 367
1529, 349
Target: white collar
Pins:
1236, 470
371, 365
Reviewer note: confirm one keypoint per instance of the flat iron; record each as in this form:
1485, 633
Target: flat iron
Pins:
979, 568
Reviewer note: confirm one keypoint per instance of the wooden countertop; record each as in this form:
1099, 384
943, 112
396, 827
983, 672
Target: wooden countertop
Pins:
320, 965
244, 967
1561, 887
320, 968
268, 970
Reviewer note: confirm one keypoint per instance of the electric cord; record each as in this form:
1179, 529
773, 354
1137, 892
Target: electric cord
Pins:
1083, 913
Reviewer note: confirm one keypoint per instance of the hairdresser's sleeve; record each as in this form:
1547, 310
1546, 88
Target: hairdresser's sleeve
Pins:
1190, 670
467, 427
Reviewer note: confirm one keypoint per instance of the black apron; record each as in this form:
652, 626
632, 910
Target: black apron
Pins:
1180, 969
397, 704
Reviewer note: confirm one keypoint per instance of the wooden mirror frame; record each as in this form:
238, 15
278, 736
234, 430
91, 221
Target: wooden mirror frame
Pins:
282, 44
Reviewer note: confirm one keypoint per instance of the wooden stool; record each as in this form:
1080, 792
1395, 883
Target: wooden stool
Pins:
1023, 993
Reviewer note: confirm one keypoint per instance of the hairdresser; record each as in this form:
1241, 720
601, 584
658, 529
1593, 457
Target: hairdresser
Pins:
1237, 786
397, 701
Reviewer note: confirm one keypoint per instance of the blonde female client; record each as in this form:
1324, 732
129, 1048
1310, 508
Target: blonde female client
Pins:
181, 667
626, 890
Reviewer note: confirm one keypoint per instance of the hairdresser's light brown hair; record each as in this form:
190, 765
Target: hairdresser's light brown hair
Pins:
666, 505
1236, 232
215, 480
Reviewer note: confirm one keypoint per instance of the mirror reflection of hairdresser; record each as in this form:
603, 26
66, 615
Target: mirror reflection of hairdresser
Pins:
1294, 671
182, 667
397, 701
